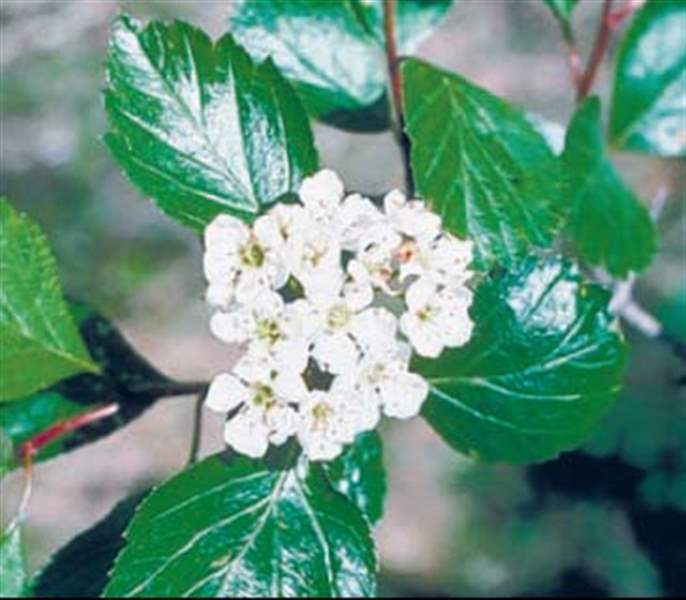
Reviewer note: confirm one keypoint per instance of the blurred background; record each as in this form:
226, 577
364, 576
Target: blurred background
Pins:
607, 520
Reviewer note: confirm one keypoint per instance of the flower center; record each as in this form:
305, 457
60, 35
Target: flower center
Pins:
406, 251
426, 313
268, 330
338, 316
252, 254
313, 254
263, 396
321, 413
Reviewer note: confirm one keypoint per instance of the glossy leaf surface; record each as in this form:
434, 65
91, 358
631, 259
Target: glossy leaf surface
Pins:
543, 365
608, 224
12, 569
81, 568
125, 378
333, 51
198, 126
40, 343
650, 82
237, 528
360, 475
481, 165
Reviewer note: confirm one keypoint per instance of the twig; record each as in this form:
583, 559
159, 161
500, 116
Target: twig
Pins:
30, 448
609, 21
396, 86
600, 45
196, 436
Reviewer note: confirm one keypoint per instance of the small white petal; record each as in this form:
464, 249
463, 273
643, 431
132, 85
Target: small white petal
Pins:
321, 194
425, 338
404, 395
247, 435
335, 353
219, 295
420, 293
225, 233
233, 327
225, 393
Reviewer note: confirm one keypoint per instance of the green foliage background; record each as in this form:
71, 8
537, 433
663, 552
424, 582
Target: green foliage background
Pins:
475, 534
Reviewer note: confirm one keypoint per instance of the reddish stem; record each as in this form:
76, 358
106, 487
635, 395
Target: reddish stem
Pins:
31, 447
609, 21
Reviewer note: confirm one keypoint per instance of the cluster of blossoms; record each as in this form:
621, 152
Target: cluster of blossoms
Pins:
330, 297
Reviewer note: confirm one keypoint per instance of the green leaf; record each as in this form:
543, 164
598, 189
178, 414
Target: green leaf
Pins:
40, 344
481, 165
81, 568
650, 82
333, 52
562, 9
198, 126
243, 529
543, 365
125, 377
359, 474
12, 569
609, 226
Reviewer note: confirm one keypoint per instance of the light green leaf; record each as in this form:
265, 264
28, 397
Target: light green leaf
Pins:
12, 569
360, 475
198, 126
650, 82
609, 226
81, 568
543, 365
125, 378
40, 344
333, 51
241, 529
481, 165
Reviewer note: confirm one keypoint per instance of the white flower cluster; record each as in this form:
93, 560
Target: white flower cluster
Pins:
330, 296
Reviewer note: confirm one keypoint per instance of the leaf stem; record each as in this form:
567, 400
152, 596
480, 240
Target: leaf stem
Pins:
396, 87
609, 21
196, 436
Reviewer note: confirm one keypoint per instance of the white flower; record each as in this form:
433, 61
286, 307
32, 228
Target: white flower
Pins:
327, 421
411, 218
315, 258
444, 259
240, 262
336, 313
381, 380
436, 318
355, 218
263, 398
321, 194
281, 331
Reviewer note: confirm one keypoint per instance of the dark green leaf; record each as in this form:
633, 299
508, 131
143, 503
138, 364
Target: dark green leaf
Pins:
40, 344
126, 378
81, 568
543, 365
12, 569
481, 165
650, 83
198, 126
334, 51
241, 529
360, 475
609, 226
